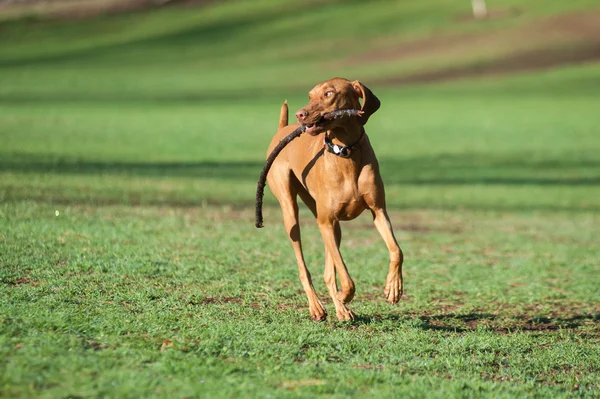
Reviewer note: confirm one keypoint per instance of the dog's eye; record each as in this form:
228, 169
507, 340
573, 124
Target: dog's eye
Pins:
329, 93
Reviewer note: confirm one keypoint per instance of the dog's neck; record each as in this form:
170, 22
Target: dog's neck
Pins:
345, 135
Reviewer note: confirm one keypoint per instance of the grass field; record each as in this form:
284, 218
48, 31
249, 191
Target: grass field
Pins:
130, 149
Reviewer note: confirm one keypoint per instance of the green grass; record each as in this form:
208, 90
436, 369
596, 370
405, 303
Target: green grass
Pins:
130, 265
474, 148
143, 301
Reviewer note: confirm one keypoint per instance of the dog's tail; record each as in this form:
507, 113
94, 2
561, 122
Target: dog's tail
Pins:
283, 115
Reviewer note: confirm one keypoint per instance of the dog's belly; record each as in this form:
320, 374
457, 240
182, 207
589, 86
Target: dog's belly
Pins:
349, 210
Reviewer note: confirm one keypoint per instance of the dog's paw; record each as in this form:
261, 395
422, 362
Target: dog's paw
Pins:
345, 314
317, 312
393, 289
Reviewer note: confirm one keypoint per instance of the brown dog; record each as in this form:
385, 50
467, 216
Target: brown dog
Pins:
335, 172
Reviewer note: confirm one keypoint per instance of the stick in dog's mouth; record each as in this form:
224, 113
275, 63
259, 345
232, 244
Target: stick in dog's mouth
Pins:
340, 113
321, 124
260, 189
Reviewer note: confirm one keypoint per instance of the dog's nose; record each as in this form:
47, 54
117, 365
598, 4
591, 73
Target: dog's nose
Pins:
301, 115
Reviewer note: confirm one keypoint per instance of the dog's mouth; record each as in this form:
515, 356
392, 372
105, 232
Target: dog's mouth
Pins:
318, 127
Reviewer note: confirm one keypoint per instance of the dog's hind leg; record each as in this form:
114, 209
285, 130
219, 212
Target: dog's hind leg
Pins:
285, 190
341, 311
327, 228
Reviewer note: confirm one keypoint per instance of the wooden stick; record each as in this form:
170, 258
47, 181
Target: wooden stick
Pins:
262, 180
340, 113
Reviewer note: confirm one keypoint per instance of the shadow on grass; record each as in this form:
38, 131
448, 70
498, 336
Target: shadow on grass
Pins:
483, 169
500, 324
465, 169
431, 173
208, 169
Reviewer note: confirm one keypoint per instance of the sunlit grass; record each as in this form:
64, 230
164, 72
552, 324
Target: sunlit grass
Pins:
130, 147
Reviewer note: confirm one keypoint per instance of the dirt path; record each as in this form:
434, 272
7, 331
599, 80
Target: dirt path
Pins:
78, 9
520, 62
559, 40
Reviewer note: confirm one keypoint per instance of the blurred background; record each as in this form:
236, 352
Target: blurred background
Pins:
486, 104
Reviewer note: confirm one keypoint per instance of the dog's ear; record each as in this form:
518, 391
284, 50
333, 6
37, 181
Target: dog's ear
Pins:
370, 103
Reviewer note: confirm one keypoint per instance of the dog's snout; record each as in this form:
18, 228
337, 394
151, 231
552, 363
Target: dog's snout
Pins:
301, 115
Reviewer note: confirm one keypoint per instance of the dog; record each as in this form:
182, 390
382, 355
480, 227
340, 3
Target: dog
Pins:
333, 169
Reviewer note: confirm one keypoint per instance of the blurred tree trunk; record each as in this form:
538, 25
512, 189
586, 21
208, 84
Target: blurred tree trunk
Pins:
479, 8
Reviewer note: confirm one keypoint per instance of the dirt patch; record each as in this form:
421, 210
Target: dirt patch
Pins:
283, 307
579, 27
21, 281
293, 384
560, 40
529, 61
80, 9
367, 367
497, 13
89, 10
94, 345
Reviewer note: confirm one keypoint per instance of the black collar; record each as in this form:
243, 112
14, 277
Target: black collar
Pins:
346, 150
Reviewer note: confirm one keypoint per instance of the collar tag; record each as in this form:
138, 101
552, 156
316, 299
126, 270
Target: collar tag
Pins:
344, 151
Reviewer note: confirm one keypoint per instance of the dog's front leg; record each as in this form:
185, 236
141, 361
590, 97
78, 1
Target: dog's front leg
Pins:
393, 283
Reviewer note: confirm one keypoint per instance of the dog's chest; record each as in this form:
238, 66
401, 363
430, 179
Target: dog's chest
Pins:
339, 189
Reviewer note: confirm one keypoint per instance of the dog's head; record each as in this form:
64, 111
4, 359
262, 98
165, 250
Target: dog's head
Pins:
333, 95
